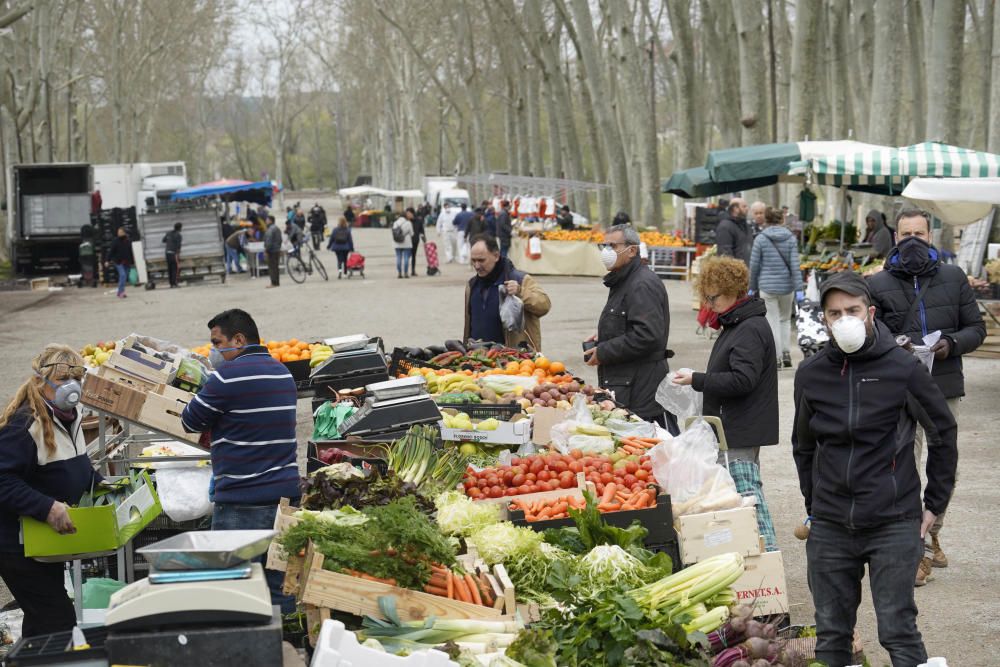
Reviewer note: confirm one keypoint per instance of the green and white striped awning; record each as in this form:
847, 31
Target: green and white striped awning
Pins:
892, 168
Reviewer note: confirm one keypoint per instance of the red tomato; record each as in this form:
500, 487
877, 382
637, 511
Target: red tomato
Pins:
544, 476
533, 488
517, 480
512, 491
631, 467
642, 474
630, 480
594, 477
475, 492
647, 466
566, 482
606, 467
537, 465
507, 477
607, 478
518, 470
576, 466
522, 489
482, 484
576, 454
514, 461
600, 488
496, 492
469, 483
531, 477
559, 466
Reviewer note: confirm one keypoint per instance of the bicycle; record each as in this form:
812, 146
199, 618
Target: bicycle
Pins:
298, 268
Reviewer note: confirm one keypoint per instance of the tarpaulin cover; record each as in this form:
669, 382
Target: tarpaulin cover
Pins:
258, 192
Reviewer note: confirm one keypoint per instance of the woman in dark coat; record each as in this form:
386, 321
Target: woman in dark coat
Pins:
120, 255
740, 384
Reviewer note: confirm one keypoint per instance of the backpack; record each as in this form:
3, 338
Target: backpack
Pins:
398, 235
341, 234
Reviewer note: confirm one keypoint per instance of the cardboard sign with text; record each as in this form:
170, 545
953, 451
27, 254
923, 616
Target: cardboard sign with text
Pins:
763, 584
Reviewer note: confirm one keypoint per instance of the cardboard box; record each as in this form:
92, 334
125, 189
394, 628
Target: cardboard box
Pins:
140, 364
98, 529
507, 433
702, 536
763, 584
542, 422
127, 379
118, 398
162, 411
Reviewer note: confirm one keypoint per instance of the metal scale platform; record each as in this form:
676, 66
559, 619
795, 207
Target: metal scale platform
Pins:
391, 408
357, 360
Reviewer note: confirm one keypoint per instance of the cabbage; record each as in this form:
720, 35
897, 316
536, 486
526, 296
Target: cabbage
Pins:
607, 566
501, 542
459, 515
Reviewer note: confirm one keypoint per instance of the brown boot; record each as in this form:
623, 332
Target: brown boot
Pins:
923, 572
938, 559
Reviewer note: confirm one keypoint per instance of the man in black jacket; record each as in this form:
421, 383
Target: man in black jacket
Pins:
504, 228
317, 225
856, 405
732, 234
915, 295
172, 240
630, 354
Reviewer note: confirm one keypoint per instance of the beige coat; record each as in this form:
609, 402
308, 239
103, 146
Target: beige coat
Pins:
536, 305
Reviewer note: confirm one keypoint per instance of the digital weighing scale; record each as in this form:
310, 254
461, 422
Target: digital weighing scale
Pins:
197, 578
357, 361
392, 406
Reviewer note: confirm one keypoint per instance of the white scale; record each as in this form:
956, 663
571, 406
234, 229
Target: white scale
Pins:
197, 578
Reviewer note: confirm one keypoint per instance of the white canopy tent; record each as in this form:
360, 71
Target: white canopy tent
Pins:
957, 201
370, 190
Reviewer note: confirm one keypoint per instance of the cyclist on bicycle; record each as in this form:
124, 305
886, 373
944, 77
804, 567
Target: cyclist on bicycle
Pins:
295, 236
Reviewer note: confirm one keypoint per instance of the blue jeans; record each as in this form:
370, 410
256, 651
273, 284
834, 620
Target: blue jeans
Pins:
836, 557
504, 250
233, 259
403, 260
122, 277
229, 516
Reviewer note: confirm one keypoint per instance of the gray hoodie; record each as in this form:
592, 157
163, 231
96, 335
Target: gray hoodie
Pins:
774, 262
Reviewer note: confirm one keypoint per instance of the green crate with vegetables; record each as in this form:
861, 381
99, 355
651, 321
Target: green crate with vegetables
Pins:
106, 518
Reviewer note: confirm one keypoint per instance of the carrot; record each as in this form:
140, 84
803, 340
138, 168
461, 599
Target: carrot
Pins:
450, 589
434, 590
560, 507
437, 580
462, 590
649, 441
609, 492
474, 589
608, 507
545, 513
487, 594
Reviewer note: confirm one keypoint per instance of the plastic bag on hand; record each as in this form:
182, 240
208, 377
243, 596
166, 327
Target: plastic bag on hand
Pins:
686, 468
511, 311
682, 401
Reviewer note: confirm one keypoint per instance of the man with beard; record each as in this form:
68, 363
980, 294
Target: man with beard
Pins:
915, 295
857, 402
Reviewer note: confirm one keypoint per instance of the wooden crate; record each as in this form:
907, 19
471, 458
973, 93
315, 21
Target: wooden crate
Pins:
359, 597
505, 501
277, 559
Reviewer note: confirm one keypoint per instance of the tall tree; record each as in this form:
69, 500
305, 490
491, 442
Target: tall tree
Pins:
883, 114
803, 72
753, 50
944, 71
993, 144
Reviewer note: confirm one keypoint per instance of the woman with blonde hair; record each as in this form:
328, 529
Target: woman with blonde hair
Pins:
740, 384
44, 467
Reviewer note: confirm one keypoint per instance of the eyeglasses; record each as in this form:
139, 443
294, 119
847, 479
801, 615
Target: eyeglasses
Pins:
67, 370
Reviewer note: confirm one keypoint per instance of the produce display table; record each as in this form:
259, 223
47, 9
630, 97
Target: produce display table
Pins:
559, 258
672, 262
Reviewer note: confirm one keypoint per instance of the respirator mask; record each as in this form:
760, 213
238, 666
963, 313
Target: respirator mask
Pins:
67, 394
609, 256
215, 355
850, 333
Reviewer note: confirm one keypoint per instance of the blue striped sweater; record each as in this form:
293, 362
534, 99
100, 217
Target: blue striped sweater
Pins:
248, 407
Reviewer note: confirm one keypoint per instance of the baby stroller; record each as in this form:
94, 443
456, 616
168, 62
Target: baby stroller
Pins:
811, 330
355, 262
431, 251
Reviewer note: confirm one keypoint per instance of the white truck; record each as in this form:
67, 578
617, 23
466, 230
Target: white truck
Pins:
144, 185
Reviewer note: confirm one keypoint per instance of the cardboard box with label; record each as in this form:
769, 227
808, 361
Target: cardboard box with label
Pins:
763, 584
162, 411
507, 433
142, 365
702, 536
104, 391
98, 529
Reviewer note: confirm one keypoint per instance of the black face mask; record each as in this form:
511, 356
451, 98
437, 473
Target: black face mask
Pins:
914, 254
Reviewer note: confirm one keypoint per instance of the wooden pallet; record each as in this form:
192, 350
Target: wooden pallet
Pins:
277, 559
990, 349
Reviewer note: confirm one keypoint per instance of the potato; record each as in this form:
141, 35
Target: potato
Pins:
545, 396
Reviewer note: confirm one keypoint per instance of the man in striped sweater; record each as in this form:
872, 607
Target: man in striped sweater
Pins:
247, 407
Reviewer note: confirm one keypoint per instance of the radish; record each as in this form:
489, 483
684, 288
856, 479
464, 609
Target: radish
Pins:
759, 647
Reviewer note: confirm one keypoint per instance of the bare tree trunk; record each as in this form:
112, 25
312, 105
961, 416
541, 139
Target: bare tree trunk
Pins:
918, 69
982, 124
783, 37
722, 53
803, 69
688, 150
944, 74
993, 144
862, 49
536, 163
752, 42
843, 94
883, 114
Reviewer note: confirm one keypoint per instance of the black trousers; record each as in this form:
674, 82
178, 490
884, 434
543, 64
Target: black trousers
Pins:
317, 239
413, 256
273, 262
39, 590
173, 271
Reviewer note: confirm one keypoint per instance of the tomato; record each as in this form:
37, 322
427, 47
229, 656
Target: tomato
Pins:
507, 477
522, 489
544, 476
559, 466
642, 474
517, 480
566, 482
631, 467
475, 492
594, 477
493, 480
510, 492
518, 470
647, 466
482, 484
537, 465
600, 489
531, 477
533, 488
606, 467
630, 480
514, 461
469, 483
576, 466
607, 478
576, 454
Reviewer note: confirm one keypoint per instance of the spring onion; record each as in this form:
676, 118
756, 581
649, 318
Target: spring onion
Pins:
675, 595
415, 459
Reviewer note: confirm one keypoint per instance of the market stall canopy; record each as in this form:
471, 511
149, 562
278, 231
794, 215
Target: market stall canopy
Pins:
696, 182
227, 189
887, 170
957, 201
370, 190
510, 184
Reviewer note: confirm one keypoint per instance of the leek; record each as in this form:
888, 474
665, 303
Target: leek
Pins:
708, 621
681, 591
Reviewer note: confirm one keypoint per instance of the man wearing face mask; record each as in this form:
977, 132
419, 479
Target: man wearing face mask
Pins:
918, 294
857, 402
631, 340
733, 237
44, 468
247, 408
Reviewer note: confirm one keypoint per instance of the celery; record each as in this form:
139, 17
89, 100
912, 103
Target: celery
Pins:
708, 621
681, 591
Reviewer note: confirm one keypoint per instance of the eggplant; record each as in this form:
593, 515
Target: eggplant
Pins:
455, 346
414, 352
435, 350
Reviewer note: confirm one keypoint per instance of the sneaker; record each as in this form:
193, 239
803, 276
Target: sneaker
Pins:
938, 559
923, 572
786, 359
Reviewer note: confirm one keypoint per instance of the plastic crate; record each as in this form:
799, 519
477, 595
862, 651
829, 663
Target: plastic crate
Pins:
337, 646
659, 521
401, 364
501, 411
57, 649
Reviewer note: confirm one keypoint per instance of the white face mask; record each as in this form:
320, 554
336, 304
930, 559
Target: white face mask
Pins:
850, 333
608, 257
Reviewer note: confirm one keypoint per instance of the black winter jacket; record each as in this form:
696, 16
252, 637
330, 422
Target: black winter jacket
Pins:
948, 304
632, 338
733, 238
852, 439
740, 383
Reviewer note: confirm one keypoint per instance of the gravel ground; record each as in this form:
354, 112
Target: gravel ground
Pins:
427, 310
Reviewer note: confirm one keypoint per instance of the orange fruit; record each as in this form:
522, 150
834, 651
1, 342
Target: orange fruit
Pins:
542, 362
291, 357
306, 354
293, 341
513, 367
557, 367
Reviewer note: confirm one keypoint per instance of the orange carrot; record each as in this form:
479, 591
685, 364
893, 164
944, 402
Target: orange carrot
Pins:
608, 507
462, 590
434, 590
474, 589
609, 492
484, 589
648, 441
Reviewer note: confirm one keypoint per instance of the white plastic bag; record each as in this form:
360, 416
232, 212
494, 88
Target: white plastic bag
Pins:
682, 401
511, 311
812, 287
183, 491
564, 432
629, 429
686, 468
